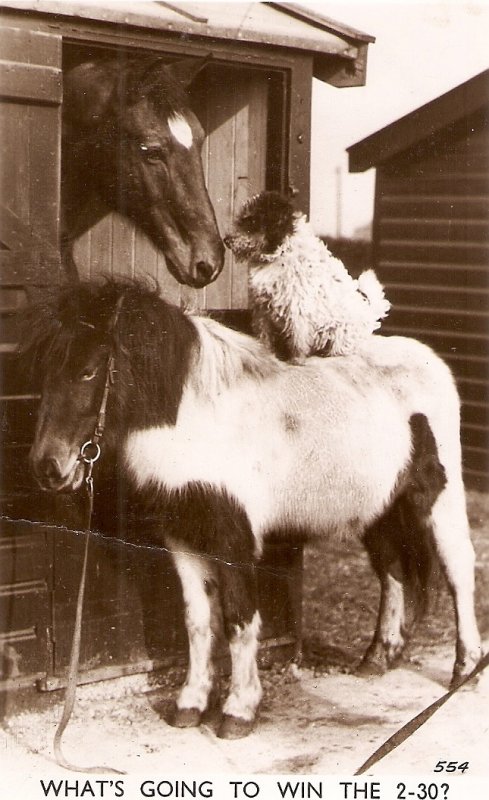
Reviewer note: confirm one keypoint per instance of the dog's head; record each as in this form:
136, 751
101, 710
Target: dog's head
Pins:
261, 226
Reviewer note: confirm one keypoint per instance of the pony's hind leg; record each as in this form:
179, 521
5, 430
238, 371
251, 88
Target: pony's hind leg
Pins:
391, 631
202, 618
452, 539
400, 546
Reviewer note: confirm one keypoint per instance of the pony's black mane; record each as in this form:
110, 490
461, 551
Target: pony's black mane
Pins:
152, 341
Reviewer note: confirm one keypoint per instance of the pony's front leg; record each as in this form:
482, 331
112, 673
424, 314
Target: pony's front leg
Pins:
199, 587
242, 627
245, 691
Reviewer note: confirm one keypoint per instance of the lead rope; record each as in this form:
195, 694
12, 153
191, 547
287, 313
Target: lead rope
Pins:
412, 726
89, 454
72, 679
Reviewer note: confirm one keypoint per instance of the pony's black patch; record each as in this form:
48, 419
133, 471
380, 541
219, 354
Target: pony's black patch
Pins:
152, 342
427, 477
213, 524
401, 542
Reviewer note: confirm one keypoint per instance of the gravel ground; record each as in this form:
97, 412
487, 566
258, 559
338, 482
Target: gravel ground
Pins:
320, 719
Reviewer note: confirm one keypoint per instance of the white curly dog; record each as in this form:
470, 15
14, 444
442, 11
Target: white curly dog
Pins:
303, 300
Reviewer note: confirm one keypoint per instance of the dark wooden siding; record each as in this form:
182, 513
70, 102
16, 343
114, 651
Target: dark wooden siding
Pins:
30, 91
431, 249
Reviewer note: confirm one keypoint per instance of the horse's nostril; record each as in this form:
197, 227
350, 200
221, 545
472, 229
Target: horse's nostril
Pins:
50, 468
204, 270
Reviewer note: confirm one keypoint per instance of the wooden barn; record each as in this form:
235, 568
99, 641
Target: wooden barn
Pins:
431, 242
254, 102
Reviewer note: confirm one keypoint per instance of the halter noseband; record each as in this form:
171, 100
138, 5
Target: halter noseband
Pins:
90, 451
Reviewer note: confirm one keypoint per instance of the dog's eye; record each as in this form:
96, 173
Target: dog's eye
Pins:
248, 225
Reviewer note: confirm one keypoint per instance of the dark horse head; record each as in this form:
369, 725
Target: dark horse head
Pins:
68, 340
131, 144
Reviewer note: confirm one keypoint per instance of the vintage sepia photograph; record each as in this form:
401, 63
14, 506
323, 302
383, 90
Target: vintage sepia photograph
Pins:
244, 454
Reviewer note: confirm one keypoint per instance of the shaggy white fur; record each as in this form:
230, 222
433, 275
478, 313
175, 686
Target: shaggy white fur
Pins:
305, 294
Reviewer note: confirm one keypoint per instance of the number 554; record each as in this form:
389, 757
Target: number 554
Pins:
451, 766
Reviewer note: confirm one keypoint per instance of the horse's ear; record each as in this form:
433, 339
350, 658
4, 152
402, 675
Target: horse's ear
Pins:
184, 72
87, 91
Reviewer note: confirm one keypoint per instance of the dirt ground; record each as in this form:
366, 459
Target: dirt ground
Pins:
320, 719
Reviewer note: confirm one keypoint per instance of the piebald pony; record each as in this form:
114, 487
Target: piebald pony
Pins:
228, 444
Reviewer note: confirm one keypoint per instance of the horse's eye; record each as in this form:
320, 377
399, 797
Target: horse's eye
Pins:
152, 152
88, 374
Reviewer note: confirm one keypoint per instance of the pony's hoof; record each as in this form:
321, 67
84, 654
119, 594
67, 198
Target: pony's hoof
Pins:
464, 668
371, 668
186, 718
235, 727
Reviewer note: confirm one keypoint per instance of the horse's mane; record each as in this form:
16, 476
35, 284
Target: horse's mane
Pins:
226, 356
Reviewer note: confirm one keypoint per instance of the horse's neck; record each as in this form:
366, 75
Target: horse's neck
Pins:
226, 357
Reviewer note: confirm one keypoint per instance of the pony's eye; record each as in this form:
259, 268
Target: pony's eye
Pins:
152, 152
88, 374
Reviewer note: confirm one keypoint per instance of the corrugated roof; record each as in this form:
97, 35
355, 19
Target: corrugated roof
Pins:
281, 24
420, 124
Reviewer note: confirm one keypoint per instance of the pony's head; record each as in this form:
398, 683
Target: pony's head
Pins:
68, 341
130, 136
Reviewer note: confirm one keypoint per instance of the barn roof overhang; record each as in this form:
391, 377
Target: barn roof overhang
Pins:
422, 124
339, 52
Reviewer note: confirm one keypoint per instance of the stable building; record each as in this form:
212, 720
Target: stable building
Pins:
254, 102
431, 242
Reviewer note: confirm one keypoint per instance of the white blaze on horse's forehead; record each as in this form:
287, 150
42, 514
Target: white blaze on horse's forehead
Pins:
181, 130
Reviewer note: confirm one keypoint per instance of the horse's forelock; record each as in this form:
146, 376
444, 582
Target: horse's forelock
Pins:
149, 78
45, 342
55, 328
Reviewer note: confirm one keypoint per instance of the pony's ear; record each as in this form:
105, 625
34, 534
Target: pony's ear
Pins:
87, 91
184, 72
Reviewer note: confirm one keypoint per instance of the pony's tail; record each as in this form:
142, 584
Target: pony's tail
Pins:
421, 570
373, 291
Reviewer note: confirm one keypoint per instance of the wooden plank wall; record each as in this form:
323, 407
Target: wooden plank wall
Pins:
431, 243
30, 117
232, 105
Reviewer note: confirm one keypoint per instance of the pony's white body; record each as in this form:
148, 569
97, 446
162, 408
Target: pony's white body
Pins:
318, 448
256, 439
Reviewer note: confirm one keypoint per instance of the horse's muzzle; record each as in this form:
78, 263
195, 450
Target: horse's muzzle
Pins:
200, 274
205, 273
52, 476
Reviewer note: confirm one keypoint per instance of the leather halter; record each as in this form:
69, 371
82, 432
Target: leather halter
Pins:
89, 454
90, 450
